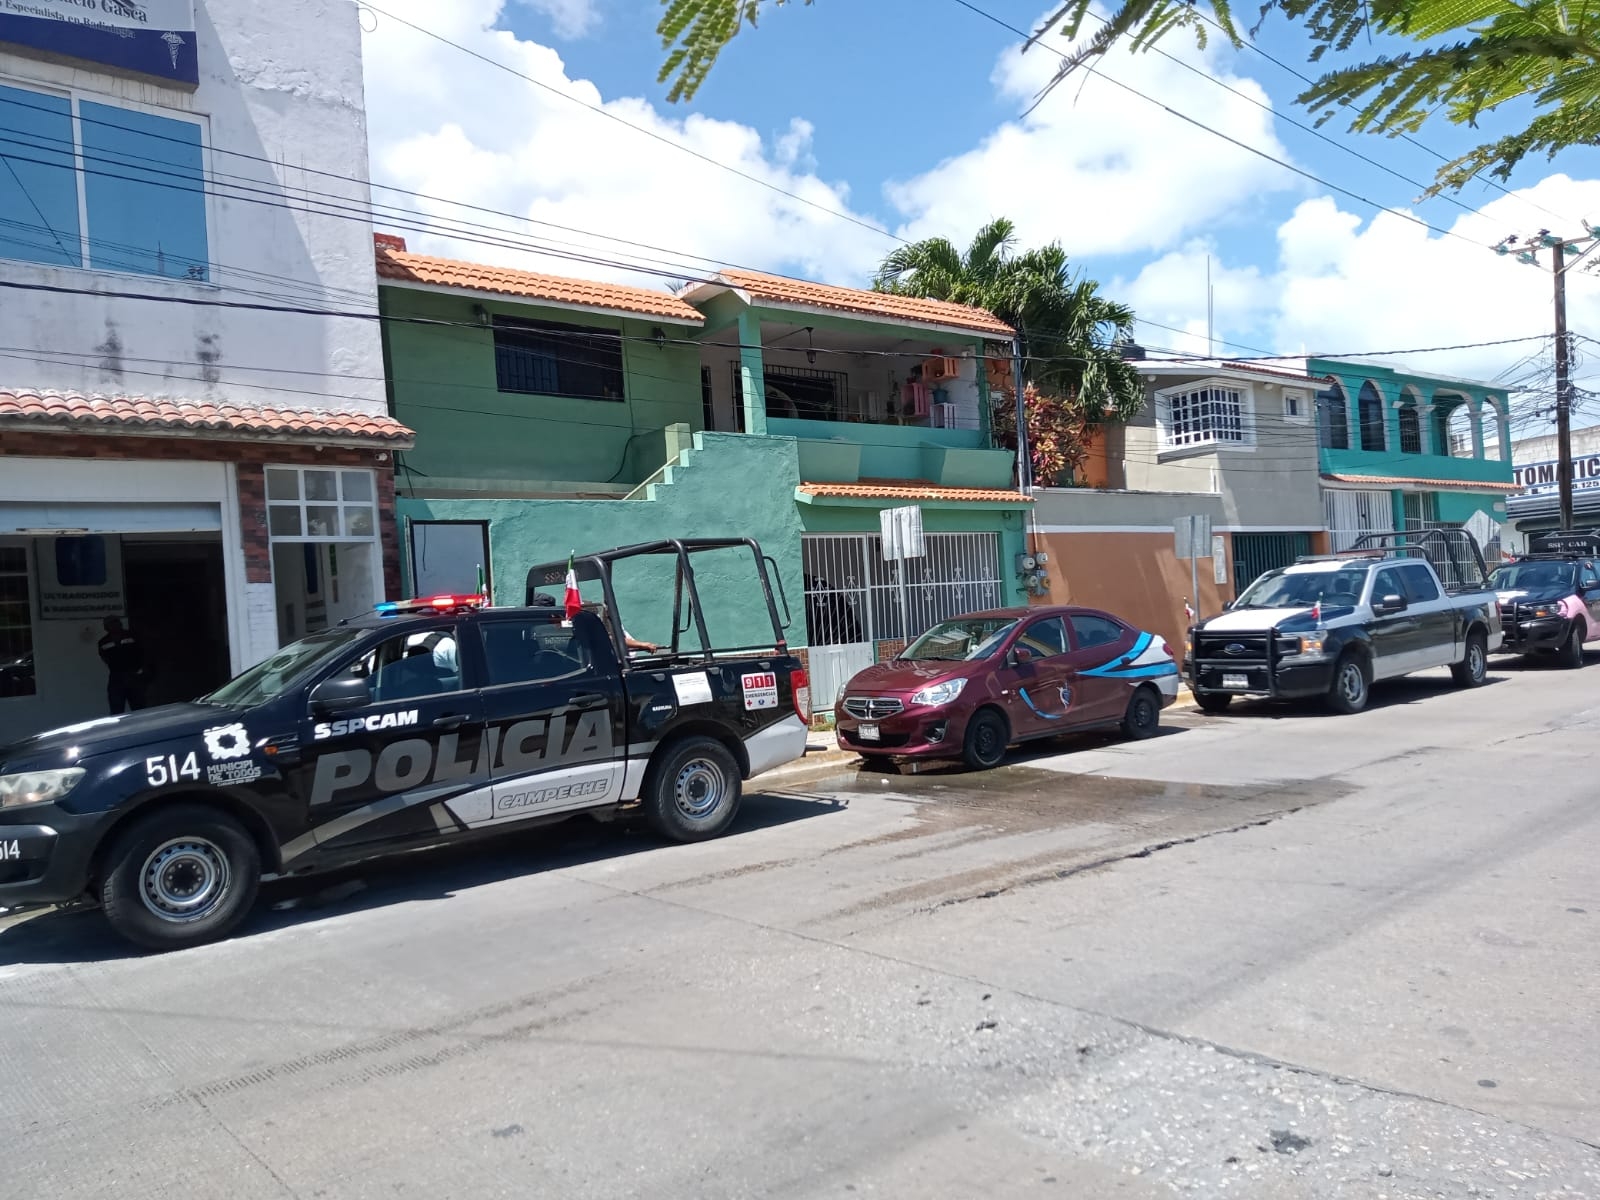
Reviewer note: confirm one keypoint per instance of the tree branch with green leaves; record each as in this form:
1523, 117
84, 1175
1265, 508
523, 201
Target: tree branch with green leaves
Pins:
1542, 50
695, 32
1486, 54
1073, 370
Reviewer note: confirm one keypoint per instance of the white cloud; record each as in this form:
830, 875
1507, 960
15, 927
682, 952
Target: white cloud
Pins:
1345, 283
1100, 169
571, 18
444, 124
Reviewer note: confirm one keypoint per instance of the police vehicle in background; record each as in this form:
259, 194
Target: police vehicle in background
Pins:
423, 723
1332, 625
1550, 598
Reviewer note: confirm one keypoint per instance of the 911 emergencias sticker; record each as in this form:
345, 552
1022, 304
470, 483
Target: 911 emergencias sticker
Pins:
760, 690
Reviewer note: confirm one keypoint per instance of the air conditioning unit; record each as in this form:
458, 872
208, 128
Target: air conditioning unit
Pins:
944, 416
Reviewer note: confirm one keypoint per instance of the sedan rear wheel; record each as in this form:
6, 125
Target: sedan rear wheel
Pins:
1143, 718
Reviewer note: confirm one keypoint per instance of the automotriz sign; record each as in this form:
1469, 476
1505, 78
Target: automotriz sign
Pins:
1540, 478
149, 37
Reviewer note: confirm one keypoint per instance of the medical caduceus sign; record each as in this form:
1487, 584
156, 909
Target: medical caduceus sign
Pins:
145, 37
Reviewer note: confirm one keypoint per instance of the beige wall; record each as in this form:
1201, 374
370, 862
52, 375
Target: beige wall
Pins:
1136, 576
1274, 483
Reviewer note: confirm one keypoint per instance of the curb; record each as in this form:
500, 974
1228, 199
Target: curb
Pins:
817, 764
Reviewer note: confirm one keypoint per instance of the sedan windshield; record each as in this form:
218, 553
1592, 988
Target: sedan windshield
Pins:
965, 638
1302, 589
1535, 577
269, 679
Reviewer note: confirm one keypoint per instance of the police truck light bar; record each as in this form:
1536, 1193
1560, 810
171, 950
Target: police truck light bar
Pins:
432, 604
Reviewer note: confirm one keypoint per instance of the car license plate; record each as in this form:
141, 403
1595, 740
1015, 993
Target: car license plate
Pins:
1236, 681
867, 733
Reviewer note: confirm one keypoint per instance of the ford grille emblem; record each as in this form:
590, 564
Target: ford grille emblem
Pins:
1233, 648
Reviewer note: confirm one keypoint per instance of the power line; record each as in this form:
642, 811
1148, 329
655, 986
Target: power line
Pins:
508, 240
1245, 146
1405, 137
650, 133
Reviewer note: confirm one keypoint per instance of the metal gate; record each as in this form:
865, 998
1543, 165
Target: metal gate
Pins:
853, 599
1254, 554
1351, 514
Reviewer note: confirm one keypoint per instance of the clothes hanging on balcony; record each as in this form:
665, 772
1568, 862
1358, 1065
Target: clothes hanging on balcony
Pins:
916, 399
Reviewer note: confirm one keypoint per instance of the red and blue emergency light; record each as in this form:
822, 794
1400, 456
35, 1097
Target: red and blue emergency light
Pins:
439, 604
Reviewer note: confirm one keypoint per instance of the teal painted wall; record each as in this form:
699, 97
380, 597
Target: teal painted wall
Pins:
887, 451
731, 485
1462, 506
1414, 466
1391, 384
443, 383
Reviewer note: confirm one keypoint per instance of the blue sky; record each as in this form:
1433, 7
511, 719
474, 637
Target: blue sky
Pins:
908, 114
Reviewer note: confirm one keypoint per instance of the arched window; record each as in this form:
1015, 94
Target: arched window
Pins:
1333, 420
1410, 429
1458, 430
1370, 414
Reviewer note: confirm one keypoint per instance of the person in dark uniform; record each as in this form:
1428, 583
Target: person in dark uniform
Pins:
125, 670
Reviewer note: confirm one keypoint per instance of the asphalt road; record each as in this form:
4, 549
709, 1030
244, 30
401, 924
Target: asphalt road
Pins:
1274, 954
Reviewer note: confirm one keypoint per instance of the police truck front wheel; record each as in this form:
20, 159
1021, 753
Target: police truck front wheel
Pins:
694, 791
1352, 685
180, 877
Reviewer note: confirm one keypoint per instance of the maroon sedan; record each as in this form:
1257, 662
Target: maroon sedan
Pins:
970, 687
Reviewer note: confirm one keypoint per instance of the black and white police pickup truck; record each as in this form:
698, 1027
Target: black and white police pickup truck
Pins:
1331, 626
1550, 597
420, 724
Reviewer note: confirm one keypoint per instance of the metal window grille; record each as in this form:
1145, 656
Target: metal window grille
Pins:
799, 392
1333, 420
546, 358
1204, 415
1351, 514
1254, 554
1410, 431
1369, 412
852, 595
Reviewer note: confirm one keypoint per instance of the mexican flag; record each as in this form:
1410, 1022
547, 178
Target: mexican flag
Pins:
574, 602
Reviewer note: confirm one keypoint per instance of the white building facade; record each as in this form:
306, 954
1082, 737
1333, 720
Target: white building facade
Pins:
173, 452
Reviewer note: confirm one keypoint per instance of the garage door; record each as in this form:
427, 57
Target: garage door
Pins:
58, 516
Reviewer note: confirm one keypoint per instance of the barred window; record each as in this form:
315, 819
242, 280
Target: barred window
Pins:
1204, 416
544, 358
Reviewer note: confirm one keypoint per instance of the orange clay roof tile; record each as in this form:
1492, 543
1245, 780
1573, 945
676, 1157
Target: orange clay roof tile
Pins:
1459, 485
909, 309
912, 490
401, 266
160, 416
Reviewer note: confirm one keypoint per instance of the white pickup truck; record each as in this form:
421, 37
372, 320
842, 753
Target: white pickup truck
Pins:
1333, 625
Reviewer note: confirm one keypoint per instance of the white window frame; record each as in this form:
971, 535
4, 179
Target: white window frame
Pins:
75, 97
1302, 400
302, 503
1207, 442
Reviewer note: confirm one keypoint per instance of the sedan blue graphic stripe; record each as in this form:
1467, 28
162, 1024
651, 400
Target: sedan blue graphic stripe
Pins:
1028, 700
1151, 672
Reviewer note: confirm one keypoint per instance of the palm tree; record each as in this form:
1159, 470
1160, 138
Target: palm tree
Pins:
1069, 331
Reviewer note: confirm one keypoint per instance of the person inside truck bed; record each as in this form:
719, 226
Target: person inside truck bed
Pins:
632, 643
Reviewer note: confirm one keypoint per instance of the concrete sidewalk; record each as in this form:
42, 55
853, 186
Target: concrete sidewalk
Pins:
824, 756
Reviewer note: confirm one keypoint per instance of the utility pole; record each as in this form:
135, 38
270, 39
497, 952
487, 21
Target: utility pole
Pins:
1024, 463
1559, 264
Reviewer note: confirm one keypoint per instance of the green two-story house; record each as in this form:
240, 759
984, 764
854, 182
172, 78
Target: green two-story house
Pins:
1401, 450
555, 414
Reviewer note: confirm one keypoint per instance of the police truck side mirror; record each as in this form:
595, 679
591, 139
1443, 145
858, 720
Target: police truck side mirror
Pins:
340, 693
1391, 604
